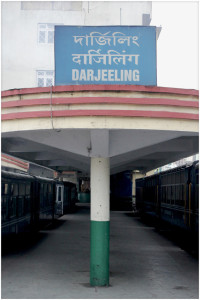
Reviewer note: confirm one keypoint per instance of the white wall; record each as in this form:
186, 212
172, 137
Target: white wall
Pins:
115, 12
22, 55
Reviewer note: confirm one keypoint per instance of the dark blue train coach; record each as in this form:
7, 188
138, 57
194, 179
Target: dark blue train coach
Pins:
29, 203
171, 196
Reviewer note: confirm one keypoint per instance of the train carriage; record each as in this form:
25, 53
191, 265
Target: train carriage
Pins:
171, 196
66, 198
29, 203
194, 194
17, 201
121, 191
175, 196
45, 194
147, 195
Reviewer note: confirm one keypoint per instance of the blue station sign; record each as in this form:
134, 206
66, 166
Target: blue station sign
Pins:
105, 55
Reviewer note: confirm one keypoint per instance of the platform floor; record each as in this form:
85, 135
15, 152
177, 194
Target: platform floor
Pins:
55, 264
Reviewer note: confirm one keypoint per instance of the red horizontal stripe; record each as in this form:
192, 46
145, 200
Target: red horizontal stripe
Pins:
14, 159
111, 113
31, 102
70, 88
99, 100
26, 115
14, 163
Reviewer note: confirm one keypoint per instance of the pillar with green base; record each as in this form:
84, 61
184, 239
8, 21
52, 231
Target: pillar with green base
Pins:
100, 221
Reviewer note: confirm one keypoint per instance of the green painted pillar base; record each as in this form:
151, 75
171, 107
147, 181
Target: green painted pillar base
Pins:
99, 257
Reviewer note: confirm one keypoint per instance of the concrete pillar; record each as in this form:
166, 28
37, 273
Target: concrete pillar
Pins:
100, 221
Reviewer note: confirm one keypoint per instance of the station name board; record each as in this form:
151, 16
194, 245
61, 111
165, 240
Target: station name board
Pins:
105, 55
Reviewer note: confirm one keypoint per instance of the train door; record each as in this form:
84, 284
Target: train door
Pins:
59, 199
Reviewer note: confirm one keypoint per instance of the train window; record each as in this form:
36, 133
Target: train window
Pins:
197, 179
28, 189
12, 207
45, 195
41, 189
176, 196
49, 188
182, 177
41, 185
59, 193
50, 199
175, 178
20, 206
163, 194
45, 189
4, 188
178, 193
172, 178
14, 189
178, 177
22, 189
183, 194
4, 210
173, 194
27, 204
168, 194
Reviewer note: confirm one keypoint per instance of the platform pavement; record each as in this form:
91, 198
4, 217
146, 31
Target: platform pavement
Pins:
55, 265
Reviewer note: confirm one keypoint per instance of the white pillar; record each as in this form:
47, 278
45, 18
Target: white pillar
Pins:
100, 221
